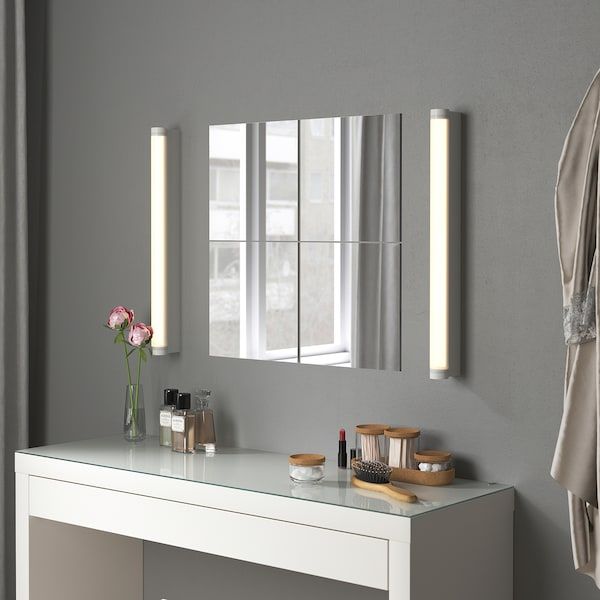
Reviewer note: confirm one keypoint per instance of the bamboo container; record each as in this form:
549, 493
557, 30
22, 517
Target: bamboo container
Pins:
371, 441
403, 442
440, 473
306, 468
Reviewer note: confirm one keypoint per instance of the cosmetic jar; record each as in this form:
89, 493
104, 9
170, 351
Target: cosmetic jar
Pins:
402, 444
371, 441
307, 468
433, 460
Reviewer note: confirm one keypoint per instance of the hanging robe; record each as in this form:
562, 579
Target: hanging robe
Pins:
576, 461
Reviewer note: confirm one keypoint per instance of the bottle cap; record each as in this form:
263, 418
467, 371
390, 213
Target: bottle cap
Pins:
170, 397
201, 397
183, 401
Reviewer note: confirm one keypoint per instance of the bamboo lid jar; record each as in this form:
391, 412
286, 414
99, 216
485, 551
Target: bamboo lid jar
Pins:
403, 442
371, 441
306, 468
433, 460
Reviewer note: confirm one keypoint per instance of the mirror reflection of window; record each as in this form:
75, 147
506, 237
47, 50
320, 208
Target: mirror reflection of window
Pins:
318, 127
314, 273
281, 180
224, 305
323, 329
315, 192
226, 151
281, 314
320, 147
320, 213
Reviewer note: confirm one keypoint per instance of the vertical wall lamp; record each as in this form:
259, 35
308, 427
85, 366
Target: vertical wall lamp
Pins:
444, 244
165, 239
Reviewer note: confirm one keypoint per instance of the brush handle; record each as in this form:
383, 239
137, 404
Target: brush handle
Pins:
385, 488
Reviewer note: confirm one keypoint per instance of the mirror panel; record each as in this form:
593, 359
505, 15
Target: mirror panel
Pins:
305, 222
350, 304
226, 193
253, 300
373, 174
375, 313
225, 298
320, 294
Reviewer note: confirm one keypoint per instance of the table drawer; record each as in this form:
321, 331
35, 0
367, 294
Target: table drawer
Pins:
301, 548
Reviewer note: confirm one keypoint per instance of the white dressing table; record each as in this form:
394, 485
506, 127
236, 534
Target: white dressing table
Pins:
83, 510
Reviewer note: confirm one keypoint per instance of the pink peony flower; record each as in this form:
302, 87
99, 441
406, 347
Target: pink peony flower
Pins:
140, 334
120, 318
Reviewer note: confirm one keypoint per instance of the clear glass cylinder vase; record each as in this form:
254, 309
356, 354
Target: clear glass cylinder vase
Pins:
134, 416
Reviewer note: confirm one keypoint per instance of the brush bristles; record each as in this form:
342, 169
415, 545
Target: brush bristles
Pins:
372, 471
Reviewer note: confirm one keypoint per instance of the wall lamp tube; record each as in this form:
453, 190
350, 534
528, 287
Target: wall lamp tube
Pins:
444, 244
165, 239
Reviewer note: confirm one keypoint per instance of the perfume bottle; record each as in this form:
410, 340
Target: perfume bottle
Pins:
205, 422
165, 416
183, 425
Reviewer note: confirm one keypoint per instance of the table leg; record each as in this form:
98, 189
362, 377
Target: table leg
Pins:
399, 570
22, 535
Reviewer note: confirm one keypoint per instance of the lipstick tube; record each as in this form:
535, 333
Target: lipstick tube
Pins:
342, 454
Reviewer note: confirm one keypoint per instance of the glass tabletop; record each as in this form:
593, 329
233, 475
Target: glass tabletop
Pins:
258, 471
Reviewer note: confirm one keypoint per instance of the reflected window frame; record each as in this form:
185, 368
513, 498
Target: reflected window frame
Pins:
252, 226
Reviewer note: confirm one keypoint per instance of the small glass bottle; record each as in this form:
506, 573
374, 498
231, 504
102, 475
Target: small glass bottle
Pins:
165, 415
183, 425
205, 422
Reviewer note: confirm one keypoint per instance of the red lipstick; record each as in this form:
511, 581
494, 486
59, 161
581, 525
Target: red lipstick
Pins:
342, 455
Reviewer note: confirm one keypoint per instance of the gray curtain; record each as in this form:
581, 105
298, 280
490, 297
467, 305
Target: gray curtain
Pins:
14, 275
376, 206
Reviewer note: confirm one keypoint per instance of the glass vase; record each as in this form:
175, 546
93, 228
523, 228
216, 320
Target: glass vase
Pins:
134, 417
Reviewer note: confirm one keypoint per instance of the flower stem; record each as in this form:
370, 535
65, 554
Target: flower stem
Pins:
126, 358
137, 392
139, 366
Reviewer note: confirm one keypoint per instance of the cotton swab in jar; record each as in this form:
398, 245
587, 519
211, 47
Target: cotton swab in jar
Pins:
403, 443
370, 444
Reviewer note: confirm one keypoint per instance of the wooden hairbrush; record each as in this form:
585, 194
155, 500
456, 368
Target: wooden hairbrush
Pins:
374, 476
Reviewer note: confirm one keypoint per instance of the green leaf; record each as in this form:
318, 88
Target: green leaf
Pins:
143, 355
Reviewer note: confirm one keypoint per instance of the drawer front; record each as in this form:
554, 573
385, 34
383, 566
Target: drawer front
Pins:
300, 548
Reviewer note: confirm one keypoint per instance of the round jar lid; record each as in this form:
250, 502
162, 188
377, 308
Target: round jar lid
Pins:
306, 460
402, 432
432, 456
371, 429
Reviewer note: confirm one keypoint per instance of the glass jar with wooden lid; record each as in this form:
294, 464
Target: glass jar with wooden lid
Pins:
371, 441
306, 468
402, 443
433, 460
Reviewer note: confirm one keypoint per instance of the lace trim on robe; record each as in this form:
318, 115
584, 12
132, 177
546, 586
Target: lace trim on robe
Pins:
579, 318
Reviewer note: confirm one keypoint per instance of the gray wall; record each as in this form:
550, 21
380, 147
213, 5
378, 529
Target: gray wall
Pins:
516, 69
